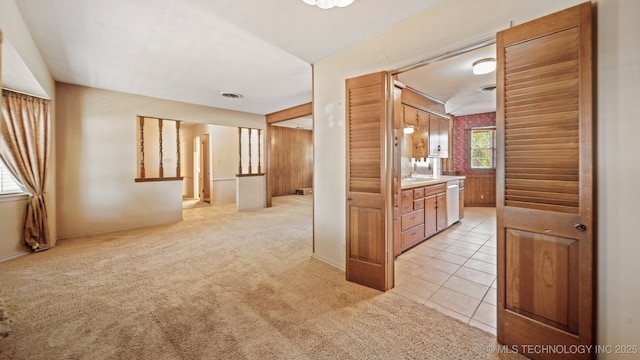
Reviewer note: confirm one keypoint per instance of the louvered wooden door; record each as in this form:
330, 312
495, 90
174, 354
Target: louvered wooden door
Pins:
369, 252
545, 189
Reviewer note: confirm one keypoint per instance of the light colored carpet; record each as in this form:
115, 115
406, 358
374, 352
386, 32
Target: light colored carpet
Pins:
5, 321
219, 285
189, 203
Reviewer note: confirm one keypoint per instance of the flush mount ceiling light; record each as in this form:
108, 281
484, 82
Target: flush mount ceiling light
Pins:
230, 95
328, 4
484, 66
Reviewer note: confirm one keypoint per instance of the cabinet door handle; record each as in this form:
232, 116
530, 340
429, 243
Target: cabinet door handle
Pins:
438, 147
349, 198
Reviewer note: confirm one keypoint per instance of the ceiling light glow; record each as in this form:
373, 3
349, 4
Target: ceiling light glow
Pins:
328, 4
484, 66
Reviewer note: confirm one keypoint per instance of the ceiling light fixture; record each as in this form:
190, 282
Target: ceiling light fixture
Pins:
328, 4
484, 66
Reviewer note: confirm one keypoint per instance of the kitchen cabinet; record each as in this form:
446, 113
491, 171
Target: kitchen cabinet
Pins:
412, 221
418, 142
416, 117
435, 209
438, 136
424, 213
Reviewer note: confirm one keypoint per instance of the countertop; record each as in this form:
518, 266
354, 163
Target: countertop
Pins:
423, 180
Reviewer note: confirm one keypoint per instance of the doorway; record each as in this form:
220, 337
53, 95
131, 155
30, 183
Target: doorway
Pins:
204, 173
455, 271
544, 216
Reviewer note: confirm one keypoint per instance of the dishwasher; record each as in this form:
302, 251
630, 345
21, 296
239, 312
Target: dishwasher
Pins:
453, 202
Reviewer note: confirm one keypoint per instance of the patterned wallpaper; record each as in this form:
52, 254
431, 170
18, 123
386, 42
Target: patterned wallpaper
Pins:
462, 138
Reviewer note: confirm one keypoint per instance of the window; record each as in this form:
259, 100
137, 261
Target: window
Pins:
483, 148
8, 185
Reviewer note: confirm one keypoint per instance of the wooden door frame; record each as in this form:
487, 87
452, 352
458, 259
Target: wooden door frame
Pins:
276, 117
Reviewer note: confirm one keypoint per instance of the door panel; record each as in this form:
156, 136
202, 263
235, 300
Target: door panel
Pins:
545, 189
369, 252
541, 278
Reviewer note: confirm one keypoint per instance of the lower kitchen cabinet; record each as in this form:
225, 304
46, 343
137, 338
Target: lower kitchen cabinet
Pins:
424, 214
430, 216
441, 212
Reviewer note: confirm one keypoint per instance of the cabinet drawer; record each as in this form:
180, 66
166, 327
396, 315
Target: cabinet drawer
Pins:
418, 204
412, 236
407, 201
418, 193
412, 219
435, 189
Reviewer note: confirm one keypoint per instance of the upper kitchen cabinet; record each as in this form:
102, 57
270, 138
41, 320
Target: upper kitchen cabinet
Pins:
418, 113
438, 136
416, 122
416, 117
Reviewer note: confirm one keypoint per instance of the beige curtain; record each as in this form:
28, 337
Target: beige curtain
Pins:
24, 147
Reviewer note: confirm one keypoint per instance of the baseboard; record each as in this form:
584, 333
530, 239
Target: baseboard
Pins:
116, 229
328, 262
15, 256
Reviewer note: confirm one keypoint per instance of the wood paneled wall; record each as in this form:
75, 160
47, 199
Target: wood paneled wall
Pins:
480, 190
291, 160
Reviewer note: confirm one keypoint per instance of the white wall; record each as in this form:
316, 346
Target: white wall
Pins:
224, 146
15, 31
619, 172
453, 24
186, 160
97, 159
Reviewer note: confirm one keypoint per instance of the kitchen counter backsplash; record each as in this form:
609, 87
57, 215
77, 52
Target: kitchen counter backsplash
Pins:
422, 166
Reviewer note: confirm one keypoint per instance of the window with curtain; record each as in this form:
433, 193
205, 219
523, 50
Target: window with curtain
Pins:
8, 185
483, 148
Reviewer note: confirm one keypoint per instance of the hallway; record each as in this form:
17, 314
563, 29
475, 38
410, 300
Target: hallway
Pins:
455, 271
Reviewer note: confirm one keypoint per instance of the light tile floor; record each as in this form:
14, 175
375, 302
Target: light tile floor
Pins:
454, 272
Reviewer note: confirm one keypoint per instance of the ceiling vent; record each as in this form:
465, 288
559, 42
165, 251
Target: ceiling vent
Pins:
230, 95
488, 88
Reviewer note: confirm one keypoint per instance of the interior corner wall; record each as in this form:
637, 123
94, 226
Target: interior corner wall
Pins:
97, 151
462, 126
